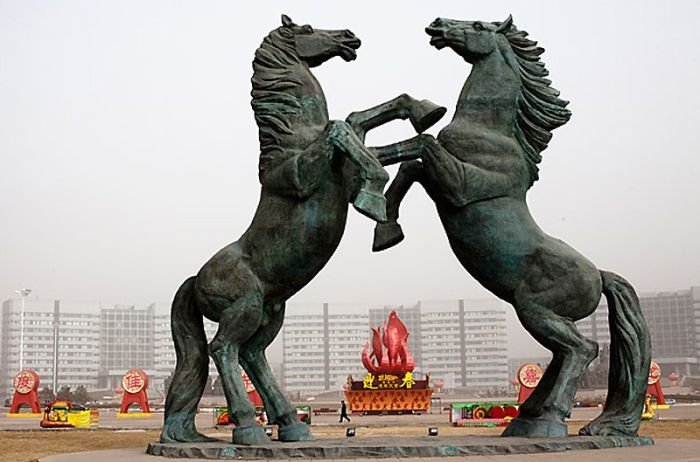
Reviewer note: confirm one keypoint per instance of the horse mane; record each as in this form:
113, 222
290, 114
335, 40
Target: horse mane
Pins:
540, 110
273, 79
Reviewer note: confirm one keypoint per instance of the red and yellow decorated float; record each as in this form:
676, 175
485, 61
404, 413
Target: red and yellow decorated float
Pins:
63, 414
26, 384
135, 383
389, 385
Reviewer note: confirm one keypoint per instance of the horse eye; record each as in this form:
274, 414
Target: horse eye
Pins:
478, 26
307, 29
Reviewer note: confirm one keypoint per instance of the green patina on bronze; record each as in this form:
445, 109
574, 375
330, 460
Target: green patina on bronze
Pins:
310, 169
478, 171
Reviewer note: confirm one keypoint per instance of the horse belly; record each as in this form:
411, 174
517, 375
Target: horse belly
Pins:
294, 240
492, 239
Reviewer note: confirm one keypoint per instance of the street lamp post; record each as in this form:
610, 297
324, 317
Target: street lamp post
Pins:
23, 293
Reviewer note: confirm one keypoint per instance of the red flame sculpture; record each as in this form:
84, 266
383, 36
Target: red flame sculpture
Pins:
397, 359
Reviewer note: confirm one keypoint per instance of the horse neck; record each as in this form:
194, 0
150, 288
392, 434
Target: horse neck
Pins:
489, 95
314, 110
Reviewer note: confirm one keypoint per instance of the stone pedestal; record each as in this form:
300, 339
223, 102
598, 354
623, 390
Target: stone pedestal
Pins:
382, 447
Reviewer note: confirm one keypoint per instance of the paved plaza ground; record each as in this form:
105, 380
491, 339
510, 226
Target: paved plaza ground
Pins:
205, 419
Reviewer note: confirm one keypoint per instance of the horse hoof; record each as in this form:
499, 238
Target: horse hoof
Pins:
386, 235
536, 428
427, 115
295, 432
184, 437
176, 431
611, 427
250, 436
371, 205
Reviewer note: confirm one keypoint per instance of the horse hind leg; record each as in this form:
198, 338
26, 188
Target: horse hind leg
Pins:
191, 370
252, 356
389, 234
238, 321
543, 413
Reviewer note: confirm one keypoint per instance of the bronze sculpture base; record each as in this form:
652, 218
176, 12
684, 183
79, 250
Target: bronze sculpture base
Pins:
376, 447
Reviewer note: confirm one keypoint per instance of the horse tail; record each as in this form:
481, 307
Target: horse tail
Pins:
630, 356
192, 367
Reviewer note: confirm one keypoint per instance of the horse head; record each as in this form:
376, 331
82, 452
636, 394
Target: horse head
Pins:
472, 40
316, 46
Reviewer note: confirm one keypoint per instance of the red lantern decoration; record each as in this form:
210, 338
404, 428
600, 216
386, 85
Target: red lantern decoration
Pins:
673, 377
26, 384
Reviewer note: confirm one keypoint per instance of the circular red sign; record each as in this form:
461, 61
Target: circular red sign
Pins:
134, 381
529, 375
26, 381
654, 373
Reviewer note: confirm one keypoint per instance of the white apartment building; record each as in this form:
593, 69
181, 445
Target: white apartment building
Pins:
75, 352
321, 349
465, 343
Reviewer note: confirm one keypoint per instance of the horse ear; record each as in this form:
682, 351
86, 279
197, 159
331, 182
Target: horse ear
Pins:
287, 21
505, 25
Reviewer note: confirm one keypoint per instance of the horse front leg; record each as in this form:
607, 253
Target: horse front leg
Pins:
370, 199
422, 115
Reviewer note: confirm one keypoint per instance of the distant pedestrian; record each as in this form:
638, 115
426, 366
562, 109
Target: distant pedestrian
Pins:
343, 412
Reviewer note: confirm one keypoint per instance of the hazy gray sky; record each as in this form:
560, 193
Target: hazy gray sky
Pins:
129, 150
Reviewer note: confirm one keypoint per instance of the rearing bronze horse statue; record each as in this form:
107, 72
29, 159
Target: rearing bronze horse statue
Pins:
478, 172
310, 169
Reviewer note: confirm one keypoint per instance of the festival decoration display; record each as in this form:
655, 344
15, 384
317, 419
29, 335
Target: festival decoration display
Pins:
654, 386
63, 414
529, 375
26, 385
134, 383
648, 413
396, 360
253, 394
483, 414
673, 377
389, 385
221, 416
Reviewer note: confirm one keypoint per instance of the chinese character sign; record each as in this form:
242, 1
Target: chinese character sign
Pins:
529, 375
135, 383
26, 384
